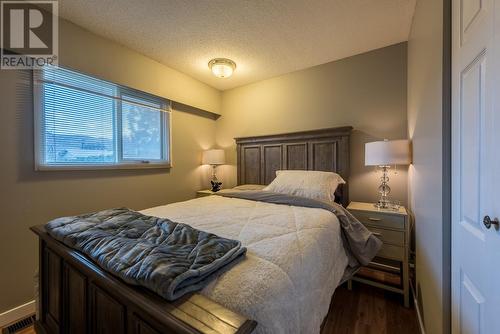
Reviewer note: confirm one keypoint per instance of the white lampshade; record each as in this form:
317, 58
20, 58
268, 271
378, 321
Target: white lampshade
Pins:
213, 157
387, 152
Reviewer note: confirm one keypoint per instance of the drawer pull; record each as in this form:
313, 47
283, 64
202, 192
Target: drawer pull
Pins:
378, 235
374, 219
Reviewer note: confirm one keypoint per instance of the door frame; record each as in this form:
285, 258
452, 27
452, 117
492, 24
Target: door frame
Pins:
446, 163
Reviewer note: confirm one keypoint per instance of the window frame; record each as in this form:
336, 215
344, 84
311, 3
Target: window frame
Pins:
120, 163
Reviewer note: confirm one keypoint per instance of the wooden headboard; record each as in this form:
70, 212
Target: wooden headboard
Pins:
323, 150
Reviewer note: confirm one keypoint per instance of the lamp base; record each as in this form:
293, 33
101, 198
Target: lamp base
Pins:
382, 205
216, 185
384, 190
388, 205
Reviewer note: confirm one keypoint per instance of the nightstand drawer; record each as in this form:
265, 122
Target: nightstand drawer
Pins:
389, 236
381, 220
392, 252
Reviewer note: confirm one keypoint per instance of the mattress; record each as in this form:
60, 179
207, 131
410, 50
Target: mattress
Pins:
294, 262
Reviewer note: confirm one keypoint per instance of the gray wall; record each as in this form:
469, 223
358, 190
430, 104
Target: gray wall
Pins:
28, 198
425, 112
367, 91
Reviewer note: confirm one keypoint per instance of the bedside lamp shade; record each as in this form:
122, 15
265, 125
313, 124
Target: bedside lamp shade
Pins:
384, 154
387, 152
213, 157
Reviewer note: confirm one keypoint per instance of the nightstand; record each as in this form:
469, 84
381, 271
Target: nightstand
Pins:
393, 228
203, 193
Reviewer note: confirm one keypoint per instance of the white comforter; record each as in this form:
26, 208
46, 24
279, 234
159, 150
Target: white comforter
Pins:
294, 262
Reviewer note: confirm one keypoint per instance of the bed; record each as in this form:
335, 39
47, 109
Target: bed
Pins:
294, 262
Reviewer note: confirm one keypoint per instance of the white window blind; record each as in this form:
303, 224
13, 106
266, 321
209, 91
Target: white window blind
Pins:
84, 122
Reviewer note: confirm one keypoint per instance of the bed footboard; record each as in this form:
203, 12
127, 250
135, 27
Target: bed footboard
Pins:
76, 296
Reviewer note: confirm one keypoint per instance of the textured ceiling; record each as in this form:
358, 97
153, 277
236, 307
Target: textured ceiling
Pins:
265, 38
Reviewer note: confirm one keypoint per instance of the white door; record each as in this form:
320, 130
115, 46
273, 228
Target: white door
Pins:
475, 166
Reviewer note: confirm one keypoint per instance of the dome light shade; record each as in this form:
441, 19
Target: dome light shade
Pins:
222, 67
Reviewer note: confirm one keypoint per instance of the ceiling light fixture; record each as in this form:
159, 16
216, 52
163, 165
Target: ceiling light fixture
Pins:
222, 67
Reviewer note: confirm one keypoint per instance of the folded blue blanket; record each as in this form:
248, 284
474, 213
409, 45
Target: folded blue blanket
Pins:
168, 258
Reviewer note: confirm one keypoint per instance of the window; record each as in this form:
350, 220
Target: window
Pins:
86, 123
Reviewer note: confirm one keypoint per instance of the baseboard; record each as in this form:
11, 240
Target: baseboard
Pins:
417, 308
17, 313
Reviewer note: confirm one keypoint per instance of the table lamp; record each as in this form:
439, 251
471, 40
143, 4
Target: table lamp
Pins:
385, 154
214, 158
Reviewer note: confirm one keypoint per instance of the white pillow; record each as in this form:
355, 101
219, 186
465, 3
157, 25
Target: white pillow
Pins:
310, 184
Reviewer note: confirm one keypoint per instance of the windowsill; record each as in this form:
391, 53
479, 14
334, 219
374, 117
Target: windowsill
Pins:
50, 168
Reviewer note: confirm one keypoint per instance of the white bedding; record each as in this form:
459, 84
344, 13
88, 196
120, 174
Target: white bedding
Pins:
294, 262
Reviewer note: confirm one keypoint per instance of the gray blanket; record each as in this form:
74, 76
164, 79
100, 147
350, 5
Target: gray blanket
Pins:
168, 258
360, 244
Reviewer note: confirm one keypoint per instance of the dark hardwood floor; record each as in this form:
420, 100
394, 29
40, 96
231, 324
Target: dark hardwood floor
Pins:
369, 310
364, 310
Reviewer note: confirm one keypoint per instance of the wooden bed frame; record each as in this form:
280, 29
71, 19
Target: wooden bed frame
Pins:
77, 296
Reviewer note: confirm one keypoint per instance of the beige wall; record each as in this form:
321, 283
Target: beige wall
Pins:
108, 60
425, 51
28, 198
367, 91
